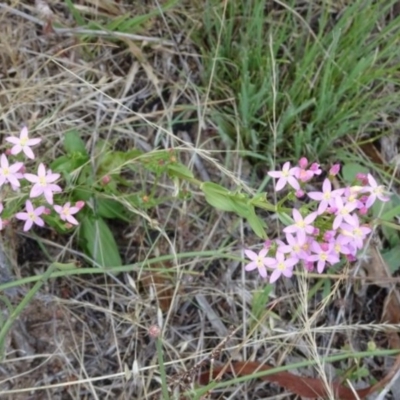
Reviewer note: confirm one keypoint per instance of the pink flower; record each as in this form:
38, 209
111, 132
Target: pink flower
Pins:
342, 246
343, 213
32, 216
325, 197
259, 261
43, 183
10, 173
23, 143
282, 266
287, 175
355, 232
294, 247
315, 168
323, 256
66, 212
301, 226
376, 192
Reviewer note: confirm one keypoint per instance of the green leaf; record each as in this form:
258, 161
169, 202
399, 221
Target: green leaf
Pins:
74, 144
260, 299
180, 171
392, 258
350, 170
69, 163
75, 13
242, 208
217, 196
256, 224
99, 242
285, 219
112, 209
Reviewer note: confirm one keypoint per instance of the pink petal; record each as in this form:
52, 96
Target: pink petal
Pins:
41, 170
318, 196
251, 254
28, 152
294, 183
3, 161
275, 174
28, 225
72, 220
275, 276
36, 191
22, 216
31, 178
16, 149
24, 133
48, 195
13, 140
372, 181
29, 206
58, 208
251, 266
39, 221
280, 184
14, 181
40, 210
33, 142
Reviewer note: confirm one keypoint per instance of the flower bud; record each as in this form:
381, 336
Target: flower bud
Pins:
328, 236
8, 152
299, 193
325, 246
303, 162
46, 211
154, 331
105, 180
309, 266
80, 204
363, 210
267, 244
68, 225
351, 258
334, 170
315, 168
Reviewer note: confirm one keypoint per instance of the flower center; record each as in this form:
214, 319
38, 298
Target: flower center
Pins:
42, 181
323, 256
24, 141
32, 216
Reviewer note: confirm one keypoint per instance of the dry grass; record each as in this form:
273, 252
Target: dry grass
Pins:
87, 337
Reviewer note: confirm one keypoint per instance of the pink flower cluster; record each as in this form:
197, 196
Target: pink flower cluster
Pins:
43, 184
331, 227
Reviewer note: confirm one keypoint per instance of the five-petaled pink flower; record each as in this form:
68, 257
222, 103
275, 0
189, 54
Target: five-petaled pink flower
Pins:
323, 254
31, 216
301, 225
259, 261
43, 183
343, 213
282, 266
376, 192
23, 143
10, 173
287, 175
66, 212
326, 196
